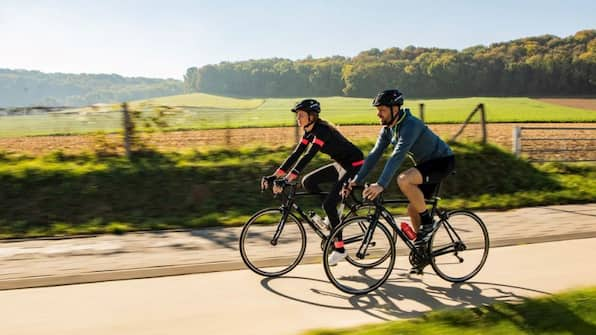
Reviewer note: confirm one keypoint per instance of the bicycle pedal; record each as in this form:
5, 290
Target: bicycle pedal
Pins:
418, 272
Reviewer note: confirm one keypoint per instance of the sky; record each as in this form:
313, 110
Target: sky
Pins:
162, 39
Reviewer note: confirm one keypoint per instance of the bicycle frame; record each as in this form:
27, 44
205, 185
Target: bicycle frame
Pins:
379, 205
457, 244
289, 205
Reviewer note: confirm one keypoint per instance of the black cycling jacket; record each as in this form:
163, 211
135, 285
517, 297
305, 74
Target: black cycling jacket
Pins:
328, 140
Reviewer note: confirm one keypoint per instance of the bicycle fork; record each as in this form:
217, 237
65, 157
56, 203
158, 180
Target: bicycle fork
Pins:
367, 240
280, 226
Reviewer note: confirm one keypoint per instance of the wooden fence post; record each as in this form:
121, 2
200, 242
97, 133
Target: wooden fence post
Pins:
483, 122
422, 112
128, 129
466, 123
228, 133
517, 141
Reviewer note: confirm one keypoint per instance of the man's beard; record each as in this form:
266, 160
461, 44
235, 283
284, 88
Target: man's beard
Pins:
384, 122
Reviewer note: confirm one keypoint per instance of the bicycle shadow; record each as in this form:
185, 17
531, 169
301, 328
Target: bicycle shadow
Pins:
560, 210
404, 296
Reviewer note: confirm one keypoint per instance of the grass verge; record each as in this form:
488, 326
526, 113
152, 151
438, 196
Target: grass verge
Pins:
60, 194
572, 312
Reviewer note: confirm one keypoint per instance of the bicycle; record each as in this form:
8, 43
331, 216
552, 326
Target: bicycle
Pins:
273, 240
456, 232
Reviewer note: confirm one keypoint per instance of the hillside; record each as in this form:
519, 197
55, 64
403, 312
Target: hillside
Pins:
34, 88
533, 66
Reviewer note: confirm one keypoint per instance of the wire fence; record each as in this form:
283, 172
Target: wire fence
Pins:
110, 118
560, 144
124, 127
121, 128
37, 121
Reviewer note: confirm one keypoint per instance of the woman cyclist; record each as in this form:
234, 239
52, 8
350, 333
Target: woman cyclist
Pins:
320, 135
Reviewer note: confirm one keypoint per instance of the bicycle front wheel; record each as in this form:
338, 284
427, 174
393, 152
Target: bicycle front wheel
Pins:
459, 246
365, 210
271, 246
373, 261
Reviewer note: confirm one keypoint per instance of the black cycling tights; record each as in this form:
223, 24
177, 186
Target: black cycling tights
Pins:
329, 174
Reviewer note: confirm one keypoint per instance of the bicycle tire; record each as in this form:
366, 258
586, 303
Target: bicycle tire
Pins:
354, 239
257, 251
463, 232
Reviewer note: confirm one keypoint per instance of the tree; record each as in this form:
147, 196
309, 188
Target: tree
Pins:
541, 65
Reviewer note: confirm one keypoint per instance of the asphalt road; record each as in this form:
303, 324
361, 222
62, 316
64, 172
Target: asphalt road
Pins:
240, 302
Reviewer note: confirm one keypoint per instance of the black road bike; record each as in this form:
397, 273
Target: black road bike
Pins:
456, 249
273, 240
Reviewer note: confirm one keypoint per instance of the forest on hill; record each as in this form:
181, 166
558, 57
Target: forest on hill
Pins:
20, 88
534, 66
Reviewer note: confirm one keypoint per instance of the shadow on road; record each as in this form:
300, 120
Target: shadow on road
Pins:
572, 212
402, 296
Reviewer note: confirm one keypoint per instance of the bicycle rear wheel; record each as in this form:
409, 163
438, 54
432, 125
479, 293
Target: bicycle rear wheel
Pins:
459, 246
354, 278
266, 256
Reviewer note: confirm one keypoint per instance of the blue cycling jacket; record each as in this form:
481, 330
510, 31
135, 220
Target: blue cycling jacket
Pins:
410, 136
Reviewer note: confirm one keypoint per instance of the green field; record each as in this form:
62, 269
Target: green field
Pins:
204, 100
203, 111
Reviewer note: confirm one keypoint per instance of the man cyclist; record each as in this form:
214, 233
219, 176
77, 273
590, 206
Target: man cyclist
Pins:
433, 160
320, 135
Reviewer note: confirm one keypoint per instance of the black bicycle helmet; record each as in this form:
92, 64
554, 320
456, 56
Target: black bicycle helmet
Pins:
308, 105
389, 98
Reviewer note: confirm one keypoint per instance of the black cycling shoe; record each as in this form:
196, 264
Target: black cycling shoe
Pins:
424, 234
